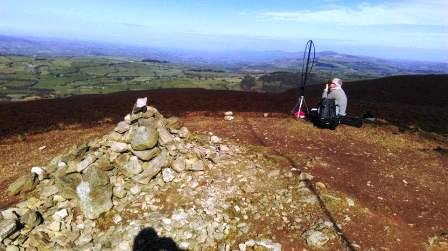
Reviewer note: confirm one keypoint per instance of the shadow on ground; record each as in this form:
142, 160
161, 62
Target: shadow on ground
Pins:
148, 240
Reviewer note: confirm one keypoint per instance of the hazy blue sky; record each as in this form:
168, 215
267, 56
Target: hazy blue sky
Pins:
363, 27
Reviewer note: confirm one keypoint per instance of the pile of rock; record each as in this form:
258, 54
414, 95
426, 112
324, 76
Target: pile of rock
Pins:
228, 116
96, 178
202, 191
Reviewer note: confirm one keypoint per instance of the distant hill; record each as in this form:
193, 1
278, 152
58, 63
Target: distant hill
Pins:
149, 60
357, 66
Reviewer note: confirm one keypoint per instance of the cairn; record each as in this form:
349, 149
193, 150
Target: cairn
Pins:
150, 176
68, 197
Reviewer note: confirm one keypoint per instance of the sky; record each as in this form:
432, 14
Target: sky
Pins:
413, 29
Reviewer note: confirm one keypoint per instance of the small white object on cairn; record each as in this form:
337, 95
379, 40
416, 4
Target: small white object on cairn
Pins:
140, 104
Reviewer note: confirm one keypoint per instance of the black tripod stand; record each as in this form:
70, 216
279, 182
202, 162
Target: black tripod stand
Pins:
309, 55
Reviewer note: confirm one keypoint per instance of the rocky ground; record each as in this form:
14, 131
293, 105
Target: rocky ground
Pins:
375, 188
150, 172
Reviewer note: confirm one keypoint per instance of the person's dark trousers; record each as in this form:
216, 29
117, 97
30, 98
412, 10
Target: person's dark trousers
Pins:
346, 120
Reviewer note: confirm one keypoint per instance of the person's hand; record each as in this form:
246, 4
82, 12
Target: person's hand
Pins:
326, 88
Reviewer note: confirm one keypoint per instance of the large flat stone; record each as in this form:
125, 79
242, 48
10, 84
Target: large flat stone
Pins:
144, 138
23, 184
147, 154
67, 184
7, 227
165, 136
94, 201
122, 127
152, 168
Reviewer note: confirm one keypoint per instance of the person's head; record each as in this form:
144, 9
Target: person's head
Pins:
336, 83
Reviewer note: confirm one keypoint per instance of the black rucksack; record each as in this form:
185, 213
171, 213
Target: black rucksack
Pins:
327, 117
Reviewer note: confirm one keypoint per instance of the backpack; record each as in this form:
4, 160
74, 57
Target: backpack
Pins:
327, 117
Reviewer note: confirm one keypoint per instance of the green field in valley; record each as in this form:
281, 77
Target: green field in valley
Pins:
24, 78
36, 77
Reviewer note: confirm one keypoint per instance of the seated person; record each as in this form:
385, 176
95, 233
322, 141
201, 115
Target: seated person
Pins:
334, 90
